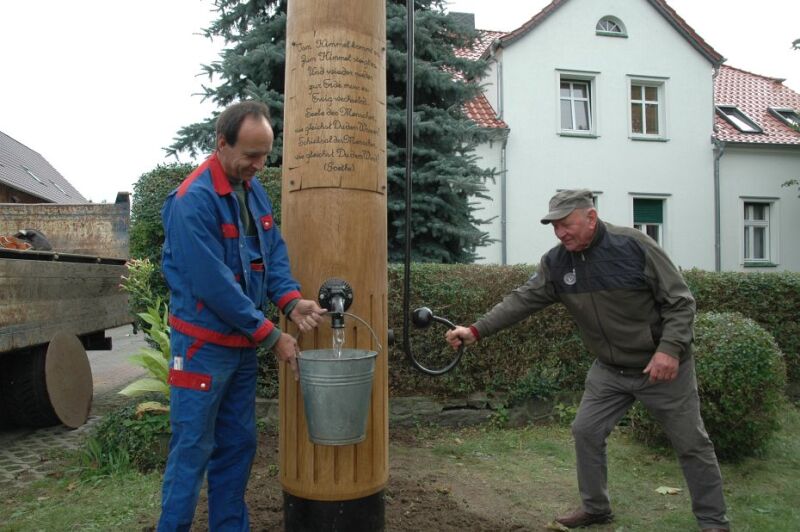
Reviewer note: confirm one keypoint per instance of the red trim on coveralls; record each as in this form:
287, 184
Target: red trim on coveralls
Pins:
230, 231
184, 186
290, 296
189, 379
262, 332
214, 337
257, 266
194, 348
218, 176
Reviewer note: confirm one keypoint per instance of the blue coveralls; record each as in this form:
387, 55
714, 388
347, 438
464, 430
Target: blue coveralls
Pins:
218, 279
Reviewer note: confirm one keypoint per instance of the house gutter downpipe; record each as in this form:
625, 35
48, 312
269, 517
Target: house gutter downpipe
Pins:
719, 151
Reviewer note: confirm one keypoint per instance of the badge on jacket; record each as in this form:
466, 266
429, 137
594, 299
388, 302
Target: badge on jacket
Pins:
569, 278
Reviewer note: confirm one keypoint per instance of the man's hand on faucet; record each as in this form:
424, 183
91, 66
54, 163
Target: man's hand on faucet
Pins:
306, 314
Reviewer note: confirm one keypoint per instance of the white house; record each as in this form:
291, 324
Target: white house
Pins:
616, 96
758, 149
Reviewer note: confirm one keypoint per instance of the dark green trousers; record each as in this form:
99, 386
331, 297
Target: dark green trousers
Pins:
675, 405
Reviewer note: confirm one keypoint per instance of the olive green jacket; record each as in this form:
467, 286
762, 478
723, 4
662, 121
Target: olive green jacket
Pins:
627, 298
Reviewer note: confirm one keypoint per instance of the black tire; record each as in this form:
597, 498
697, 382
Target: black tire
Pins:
4, 421
24, 389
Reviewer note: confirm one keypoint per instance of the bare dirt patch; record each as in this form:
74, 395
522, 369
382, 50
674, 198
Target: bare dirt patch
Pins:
423, 493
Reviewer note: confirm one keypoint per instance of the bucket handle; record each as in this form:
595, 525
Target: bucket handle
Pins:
375, 336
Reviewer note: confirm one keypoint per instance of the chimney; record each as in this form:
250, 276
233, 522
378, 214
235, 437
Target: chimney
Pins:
465, 19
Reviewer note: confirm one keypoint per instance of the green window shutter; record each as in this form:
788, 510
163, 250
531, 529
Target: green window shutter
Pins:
648, 211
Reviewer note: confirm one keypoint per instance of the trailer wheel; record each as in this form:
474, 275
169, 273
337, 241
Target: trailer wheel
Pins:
4, 419
51, 385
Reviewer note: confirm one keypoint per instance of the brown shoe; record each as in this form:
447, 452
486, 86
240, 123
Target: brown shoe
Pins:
580, 518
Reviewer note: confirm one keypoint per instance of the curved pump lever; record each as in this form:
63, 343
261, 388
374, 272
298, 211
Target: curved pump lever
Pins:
422, 318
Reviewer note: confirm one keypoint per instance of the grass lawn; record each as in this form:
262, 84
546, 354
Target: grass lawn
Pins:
527, 475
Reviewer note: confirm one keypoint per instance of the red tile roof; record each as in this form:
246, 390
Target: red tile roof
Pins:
481, 44
754, 95
660, 5
480, 111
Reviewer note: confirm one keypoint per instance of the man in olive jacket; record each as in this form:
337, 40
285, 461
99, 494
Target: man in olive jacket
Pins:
635, 315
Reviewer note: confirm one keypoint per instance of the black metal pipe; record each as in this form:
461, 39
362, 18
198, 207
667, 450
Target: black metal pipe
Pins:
409, 177
409, 166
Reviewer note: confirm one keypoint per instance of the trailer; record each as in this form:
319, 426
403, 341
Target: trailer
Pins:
55, 305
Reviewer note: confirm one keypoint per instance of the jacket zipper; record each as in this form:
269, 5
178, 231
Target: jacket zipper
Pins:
599, 323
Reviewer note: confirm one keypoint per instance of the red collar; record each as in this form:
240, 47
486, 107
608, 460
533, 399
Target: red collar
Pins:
220, 179
218, 176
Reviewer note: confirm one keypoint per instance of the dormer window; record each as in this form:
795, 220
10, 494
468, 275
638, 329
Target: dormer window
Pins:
610, 27
738, 119
58, 187
30, 173
787, 116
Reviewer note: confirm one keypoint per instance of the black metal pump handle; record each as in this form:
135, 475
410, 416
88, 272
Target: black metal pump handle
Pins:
422, 318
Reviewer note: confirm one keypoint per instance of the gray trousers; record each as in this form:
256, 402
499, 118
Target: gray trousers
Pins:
675, 405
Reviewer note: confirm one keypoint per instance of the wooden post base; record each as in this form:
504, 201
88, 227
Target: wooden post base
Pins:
359, 515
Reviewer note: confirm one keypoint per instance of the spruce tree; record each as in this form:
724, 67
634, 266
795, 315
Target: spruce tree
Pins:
445, 178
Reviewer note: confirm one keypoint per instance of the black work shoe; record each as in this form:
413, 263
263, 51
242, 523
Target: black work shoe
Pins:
580, 518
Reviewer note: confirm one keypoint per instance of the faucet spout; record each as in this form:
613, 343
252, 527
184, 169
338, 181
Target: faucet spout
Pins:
337, 313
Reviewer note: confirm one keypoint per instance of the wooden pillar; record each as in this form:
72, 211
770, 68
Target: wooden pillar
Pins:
334, 217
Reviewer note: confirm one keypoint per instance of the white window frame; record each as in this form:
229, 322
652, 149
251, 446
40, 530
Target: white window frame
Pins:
738, 119
661, 85
777, 112
577, 76
642, 227
771, 232
623, 32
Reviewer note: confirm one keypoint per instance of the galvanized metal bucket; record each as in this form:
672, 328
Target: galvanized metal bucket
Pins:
336, 394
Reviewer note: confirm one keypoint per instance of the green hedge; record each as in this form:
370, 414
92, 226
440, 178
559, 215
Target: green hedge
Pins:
544, 352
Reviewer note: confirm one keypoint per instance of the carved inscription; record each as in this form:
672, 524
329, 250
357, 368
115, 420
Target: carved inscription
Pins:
338, 130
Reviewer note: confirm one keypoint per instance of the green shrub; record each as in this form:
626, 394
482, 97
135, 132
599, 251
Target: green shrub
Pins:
142, 295
770, 299
146, 231
154, 361
127, 437
741, 376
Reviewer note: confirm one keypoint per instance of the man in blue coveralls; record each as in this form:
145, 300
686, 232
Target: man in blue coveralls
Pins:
223, 256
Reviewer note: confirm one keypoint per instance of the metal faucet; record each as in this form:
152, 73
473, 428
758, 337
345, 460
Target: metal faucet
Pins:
336, 295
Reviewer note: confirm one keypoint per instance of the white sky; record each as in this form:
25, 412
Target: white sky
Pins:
100, 87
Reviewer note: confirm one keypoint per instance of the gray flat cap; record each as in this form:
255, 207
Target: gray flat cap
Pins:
566, 201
